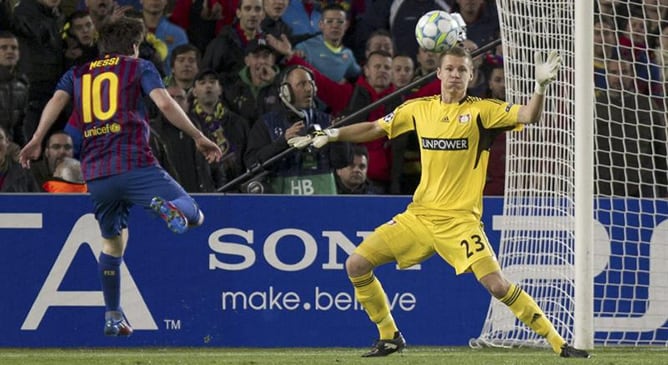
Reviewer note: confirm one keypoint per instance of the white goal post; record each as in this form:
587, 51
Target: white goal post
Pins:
585, 220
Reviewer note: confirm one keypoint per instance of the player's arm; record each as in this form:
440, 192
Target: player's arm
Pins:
50, 113
52, 110
173, 112
545, 73
356, 133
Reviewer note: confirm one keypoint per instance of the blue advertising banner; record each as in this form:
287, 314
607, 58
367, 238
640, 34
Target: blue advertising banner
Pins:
262, 271
268, 271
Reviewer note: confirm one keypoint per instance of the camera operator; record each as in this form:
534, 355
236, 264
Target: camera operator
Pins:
269, 135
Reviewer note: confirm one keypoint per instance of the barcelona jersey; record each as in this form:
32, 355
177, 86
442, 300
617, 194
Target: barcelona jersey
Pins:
454, 149
109, 115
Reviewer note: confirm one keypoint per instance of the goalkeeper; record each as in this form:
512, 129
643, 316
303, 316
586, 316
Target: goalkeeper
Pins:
455, 133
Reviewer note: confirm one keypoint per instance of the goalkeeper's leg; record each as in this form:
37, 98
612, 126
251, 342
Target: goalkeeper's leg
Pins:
373, 252
370, 293
520, 303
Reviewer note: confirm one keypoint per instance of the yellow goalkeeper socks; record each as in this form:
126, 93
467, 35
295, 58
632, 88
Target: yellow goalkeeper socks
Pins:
370, 294
527, 311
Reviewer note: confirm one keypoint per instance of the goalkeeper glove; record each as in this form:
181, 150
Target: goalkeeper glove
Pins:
316, 139
321, 138
300, 142
545, 71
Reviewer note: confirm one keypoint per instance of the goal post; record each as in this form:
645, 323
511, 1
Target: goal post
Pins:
583, 321
584, 228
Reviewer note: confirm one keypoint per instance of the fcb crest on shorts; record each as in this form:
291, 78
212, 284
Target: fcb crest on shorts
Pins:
464, 118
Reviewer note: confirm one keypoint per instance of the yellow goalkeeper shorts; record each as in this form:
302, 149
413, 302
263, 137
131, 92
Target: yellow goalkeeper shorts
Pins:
409, 239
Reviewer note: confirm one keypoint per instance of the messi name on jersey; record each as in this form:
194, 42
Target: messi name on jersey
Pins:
445, 144
105, 62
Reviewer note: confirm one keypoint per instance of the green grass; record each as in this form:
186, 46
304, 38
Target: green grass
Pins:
327, 356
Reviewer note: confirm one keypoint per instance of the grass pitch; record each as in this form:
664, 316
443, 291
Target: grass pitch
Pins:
324, 356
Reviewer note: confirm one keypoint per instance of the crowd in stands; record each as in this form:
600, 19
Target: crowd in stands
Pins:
252, 73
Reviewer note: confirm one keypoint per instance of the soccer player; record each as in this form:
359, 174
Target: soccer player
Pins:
455, 133
109, 119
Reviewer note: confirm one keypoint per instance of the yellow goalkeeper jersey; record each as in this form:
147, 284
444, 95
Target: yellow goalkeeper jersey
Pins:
454, 149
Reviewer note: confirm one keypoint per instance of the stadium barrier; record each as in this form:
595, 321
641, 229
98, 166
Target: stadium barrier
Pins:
263, 271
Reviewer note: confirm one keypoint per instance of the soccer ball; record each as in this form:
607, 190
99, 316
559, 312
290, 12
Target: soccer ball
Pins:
437, 31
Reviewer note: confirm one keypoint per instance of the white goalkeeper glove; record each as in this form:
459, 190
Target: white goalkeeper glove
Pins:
316, 139
321, 138
545, 71
300, 142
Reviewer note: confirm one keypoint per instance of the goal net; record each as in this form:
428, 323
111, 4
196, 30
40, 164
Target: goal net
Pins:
630, 223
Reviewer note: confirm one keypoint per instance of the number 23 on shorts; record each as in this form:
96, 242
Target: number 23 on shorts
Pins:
474, 244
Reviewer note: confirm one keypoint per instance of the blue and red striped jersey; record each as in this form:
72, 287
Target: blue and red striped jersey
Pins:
109, 113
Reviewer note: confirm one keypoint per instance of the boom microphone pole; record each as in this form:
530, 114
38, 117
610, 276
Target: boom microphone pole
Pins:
259, 168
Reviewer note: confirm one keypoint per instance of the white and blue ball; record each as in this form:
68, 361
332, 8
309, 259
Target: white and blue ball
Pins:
437, 31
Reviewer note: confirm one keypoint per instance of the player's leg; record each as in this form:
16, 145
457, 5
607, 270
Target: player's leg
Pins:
393, 241
368, 289
524, 307
153, 188
109, 266
111, 214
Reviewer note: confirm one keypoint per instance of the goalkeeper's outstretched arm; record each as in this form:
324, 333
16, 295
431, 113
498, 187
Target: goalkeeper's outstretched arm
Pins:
357, 133
545, 73
360, 132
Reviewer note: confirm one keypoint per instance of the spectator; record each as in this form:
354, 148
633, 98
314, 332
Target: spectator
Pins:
427, 62
379, 40
225, 53
352, 179
403, 70
273, 22
662, 57
399, 17
253, 91
221, 125
605, 47
151, 48
631, 139
79, 36
496, 165
482, 20
6, 10
190, 168
13, 177
58, 146
156, 22
326, 52
184, 63
67, 178
303, 17
298, 116
102, 11
157, 143
37, 24
203, 19
633, 46
13, 89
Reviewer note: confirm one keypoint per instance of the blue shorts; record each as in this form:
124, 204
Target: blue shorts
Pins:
113, 196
